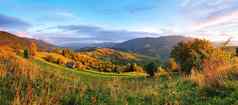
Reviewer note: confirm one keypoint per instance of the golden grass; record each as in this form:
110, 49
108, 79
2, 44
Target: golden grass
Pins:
213, 74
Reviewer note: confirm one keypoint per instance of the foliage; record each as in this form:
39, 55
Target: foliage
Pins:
191, 54
67, 52
26, 53
56, 58
172, 65
151, 69
214, 73
33, 49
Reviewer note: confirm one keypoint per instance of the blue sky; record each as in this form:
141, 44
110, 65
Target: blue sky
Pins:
92, 21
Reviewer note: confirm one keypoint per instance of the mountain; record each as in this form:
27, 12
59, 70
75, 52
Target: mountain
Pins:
156, 47
13, 41
78, 46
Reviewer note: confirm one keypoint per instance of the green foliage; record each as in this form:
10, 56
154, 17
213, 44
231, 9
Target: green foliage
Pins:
151, 69
26, 53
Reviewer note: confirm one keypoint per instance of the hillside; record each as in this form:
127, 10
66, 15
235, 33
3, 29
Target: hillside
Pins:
13, 41
115, 56
157, 47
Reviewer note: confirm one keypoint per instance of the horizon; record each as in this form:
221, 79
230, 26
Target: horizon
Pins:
94, 21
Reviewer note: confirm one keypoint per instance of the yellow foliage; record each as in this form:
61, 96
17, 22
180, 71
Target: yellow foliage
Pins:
56, 58
163, 73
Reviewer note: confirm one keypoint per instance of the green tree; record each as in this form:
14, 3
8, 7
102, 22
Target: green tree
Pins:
26, 53
151, 69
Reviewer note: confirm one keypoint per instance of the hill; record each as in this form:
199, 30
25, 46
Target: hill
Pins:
115, 56
156, 47
13, 41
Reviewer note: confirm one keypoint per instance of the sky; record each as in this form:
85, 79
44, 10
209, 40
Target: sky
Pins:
95, 21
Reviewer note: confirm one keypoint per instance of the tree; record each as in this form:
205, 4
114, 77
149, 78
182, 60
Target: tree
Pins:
67, 53
33, 49
26, 53
151, 69
192, 53
134, 68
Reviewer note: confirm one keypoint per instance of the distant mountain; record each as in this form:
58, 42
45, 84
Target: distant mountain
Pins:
79, 46
13, 41
156, 47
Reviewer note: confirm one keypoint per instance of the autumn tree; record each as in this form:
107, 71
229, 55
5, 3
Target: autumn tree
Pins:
191, 54
33, 49
67, 52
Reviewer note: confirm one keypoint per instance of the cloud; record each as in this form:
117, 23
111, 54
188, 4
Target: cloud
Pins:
8, 22
87, 34
211, 17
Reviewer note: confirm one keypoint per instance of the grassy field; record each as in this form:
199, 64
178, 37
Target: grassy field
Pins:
134, 89
52, 84
84, 75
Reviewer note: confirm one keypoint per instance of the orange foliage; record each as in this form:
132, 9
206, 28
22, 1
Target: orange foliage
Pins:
10, 64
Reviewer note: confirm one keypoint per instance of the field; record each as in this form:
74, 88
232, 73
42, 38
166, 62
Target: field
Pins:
56, 84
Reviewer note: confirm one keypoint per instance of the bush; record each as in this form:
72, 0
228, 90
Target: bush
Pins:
26, 53
214, 73
172, 66
55, 58
151, 69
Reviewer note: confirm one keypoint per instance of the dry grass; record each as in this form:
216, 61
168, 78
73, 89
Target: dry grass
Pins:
213, 74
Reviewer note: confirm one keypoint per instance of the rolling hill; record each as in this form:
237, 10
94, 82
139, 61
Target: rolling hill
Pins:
13, 41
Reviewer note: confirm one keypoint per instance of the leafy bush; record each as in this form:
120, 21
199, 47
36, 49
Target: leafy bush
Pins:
214, 73
56, 58
151, 69
172, 65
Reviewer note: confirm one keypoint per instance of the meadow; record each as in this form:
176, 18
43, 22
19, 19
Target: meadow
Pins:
35, 81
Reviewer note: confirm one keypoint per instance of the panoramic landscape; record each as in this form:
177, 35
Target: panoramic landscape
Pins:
118, 52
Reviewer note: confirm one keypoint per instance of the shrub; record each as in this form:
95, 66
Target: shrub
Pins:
26, 53
55, 58
163, 73
214, 73
151, 69
172, 66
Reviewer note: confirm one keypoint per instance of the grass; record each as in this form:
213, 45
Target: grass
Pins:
84, 75
58, 85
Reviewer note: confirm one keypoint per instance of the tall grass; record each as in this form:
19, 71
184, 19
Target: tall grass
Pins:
24, 83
